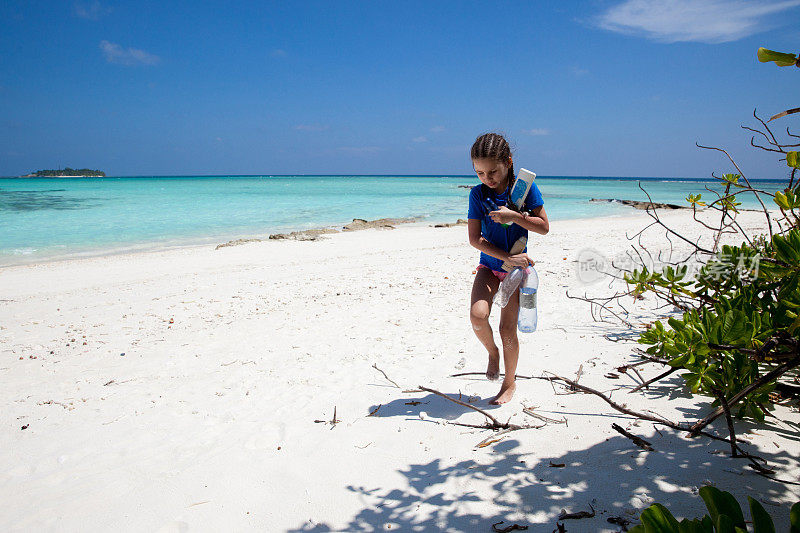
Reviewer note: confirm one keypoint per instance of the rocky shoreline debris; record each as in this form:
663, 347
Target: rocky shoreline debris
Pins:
381, 223
637, 204
318, 233
459, 222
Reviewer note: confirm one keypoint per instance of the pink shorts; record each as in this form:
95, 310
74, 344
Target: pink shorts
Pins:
499, 274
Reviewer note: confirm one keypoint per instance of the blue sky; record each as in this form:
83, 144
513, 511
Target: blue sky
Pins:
603, 88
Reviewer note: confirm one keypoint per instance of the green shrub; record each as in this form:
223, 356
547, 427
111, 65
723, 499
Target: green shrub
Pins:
724, 516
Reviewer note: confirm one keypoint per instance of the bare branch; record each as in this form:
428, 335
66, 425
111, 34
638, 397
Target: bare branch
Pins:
760, 382
763, 207
495, 423
651, 381
375, 366
603, 306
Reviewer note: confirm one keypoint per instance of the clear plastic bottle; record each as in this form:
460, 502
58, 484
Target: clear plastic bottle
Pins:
509, 286
528, 289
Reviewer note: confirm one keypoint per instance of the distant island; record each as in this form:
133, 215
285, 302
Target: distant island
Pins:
67, 173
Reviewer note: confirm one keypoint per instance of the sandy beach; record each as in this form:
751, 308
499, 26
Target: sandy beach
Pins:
192, 389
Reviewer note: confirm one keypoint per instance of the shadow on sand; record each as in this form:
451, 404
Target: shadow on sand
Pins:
513, 485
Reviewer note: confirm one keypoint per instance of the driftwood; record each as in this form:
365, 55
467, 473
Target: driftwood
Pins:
640, 442
577, 516
512, 527
762, 469
639, 204
493, 424
496, 424
760, 382
501, 374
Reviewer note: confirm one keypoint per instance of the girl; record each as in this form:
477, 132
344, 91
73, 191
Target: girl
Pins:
502, 248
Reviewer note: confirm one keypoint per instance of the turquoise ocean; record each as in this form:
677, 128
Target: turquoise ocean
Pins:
44, 219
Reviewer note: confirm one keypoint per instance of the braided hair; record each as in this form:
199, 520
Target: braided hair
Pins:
495, 146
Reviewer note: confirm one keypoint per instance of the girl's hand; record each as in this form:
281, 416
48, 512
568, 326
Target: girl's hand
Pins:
503, 215
519, 260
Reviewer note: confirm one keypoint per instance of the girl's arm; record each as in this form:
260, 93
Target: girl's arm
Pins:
477, 241
536, 222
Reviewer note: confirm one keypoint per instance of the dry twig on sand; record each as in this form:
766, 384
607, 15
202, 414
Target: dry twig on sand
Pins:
577, 516
507, 529
640, 442
390, 380
375, 366
492, 424
754, 460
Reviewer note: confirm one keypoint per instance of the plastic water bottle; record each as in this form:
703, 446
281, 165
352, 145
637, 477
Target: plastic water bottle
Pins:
509, 286
526, 322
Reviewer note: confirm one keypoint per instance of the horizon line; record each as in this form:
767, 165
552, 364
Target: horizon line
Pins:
438, 175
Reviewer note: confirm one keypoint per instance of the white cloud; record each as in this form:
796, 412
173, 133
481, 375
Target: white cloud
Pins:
114, 53
90, 10
420, 139
707, 21
310, 127
536, 131
437, 129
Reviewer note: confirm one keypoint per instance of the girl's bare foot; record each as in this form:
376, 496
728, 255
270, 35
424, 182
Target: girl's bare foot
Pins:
506, 393
493, 370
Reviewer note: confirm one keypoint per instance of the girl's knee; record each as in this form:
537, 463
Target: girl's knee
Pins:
508, 331
479, 313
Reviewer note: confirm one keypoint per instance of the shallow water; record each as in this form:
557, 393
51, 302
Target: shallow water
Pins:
43, 218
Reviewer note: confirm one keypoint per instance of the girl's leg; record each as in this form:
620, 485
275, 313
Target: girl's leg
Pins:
508, 336
483, 290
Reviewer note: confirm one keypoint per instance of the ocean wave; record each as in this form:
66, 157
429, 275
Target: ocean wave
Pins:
23, 251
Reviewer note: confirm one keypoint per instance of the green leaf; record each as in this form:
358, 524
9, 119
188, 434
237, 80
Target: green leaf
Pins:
733, 327
722, 503
679, 361
658, 519
780, 58
783, 249
793, 159
762, 521
724, 524
697, 526
794, 324
794, 518
676, 324
695, 199
780, 198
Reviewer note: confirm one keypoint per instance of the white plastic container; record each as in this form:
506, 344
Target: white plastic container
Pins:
521, 187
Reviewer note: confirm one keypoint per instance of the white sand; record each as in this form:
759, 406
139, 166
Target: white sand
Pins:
207, 422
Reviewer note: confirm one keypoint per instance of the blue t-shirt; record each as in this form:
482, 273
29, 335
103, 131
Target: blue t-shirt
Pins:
503, 238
